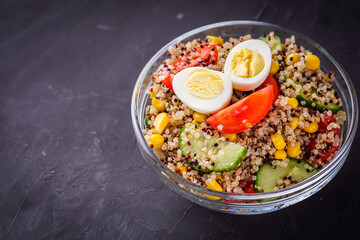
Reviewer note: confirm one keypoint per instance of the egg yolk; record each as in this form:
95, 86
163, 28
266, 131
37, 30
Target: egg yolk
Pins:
204, 84
246, 63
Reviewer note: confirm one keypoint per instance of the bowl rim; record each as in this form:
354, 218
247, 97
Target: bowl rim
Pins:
337, 160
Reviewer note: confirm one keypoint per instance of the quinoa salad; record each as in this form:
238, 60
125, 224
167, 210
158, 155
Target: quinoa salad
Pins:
243, 115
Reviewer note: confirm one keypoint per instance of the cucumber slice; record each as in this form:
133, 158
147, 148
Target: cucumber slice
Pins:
267, 177
275, 45
307, 98
208, 153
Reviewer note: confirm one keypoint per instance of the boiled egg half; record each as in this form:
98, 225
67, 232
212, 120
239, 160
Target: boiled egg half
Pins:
248, 64
203, 90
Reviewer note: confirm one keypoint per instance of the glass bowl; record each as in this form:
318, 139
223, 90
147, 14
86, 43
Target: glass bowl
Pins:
247, 203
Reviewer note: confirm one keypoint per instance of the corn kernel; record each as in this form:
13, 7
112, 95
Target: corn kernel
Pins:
152, 92
195, 123
294, 123
293, 102
199, 117
160, 122
158, 104
231, 137
214, 185
313, 127
293, 58
182, 169
283, 45
157, 140
217, 40
274, 67
293, 151
312, 62
280, 154
278, 141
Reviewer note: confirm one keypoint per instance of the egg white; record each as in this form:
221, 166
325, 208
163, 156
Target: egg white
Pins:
201, 105
247, 84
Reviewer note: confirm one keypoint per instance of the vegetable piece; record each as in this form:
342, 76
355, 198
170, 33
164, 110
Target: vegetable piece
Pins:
313, 127
208, 55
312, 62
160, 122
278, 141
274, 67
199, 117
147, 121
216, 40
280, 154
243, 114
306, 99
274, 44
209, 153
293, 102
292, 58
270, 80
293, 149
152, 92
158, 104
156, 140
294, 123
268, 178
168, 82
214, 185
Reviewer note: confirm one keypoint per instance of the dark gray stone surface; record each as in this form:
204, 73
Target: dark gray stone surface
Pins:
69, 163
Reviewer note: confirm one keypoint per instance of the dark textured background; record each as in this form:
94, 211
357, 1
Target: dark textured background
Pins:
69, 163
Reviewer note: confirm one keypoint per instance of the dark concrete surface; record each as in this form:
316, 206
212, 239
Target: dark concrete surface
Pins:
70, 167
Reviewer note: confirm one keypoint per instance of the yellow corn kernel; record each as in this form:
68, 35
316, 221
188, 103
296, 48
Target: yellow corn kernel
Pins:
157, 140
158, 104
274, 67
313, 127
152, 92
293, 58
195, 123
293, 151
160, 122
283, 45
231, 137
280, 154
199, 117
182, 169
327, 78
294, 123
293, 102
278, 141
214, 185
312, 62
217, 40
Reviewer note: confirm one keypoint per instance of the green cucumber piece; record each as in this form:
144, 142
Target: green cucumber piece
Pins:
147, 121
197, 145
267, 177
275, 45
302, 97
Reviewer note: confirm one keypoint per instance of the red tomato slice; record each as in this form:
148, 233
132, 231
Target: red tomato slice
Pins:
270, 80
243, 114
206, 57
168, 82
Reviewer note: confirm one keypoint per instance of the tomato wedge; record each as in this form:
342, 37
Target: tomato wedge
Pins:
243, 114
208, 55
270, 80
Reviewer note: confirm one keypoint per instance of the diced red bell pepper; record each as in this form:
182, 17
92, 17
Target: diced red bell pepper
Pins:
243, 114
270, 80
168, 82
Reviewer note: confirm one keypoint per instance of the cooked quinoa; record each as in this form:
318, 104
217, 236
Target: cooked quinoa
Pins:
256, 139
